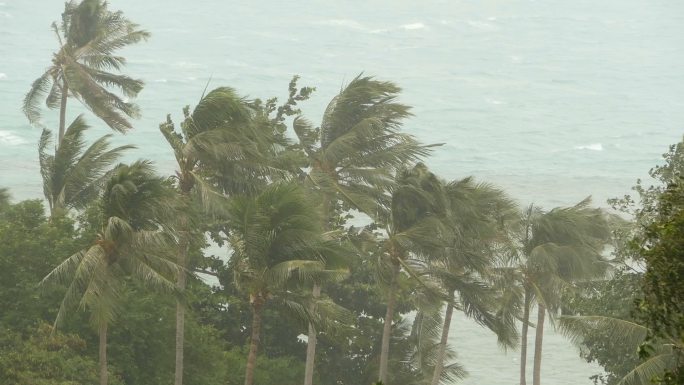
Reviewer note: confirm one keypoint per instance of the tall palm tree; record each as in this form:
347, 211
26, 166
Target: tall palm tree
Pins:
216, 135
132, 242
475, 213
277, 241
89, 36
72, 177
353, 155
558, 247
416, 232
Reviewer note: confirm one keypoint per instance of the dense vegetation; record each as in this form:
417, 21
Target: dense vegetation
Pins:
347, 257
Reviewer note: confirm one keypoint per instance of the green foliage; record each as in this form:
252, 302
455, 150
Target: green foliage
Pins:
46, 358
613, 298
30, 245
279, 370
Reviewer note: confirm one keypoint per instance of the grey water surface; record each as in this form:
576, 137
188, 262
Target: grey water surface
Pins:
552, 100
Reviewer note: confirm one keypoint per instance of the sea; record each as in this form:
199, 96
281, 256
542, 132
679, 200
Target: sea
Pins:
552, 100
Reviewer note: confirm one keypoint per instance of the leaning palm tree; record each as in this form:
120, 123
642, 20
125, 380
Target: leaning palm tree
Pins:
72, 177
416, 231
353, 155
132, 242
558, 247
89, 36
277, 241
475, 213
217, 135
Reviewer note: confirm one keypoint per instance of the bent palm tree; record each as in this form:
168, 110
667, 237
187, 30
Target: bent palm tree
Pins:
354, 154
217, 134
559, 247
277, 241
73, 176
475, 211
132, 242
89, 36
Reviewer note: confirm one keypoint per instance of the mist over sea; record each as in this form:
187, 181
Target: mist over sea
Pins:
551, 100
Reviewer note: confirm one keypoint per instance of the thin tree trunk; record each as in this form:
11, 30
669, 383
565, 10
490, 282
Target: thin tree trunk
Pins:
523, 339
180, 308
62, 113
387, 329
311, 342
103, 353
539, 337
439, 364
254, 341
312, 336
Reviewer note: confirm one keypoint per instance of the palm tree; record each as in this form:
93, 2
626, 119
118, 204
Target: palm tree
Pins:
132, 242
558, 247
416, 232
89, 36
475, 213
277, 241
72, 177
353, 155
215, 135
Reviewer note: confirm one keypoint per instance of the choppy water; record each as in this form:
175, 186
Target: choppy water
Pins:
553, 100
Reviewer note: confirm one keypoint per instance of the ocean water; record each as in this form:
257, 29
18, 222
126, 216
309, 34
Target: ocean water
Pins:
552, 100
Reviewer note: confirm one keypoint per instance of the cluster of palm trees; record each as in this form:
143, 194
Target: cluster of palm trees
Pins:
282, 205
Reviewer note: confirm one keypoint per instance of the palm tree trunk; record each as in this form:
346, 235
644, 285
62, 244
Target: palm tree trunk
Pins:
62, 113
180, 309
387, 329
439, 364
536, 374
103, 353
254, 341
523, 339
311, 342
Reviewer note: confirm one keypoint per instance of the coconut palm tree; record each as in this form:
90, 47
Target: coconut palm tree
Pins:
277, 241
353, 155
132, 242
416, 232
558, 247
72, 177
217, 135
475, 213
89, 36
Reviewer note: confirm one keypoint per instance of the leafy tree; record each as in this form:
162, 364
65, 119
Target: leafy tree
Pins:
610, 298
72, 177
89, 36
133, 210
45, 358
662, 307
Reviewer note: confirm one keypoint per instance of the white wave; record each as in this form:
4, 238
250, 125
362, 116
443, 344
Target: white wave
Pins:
3, 76
345, 23
11, 139
160, 80
6, 15
413, 26
481, 25
592, 147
